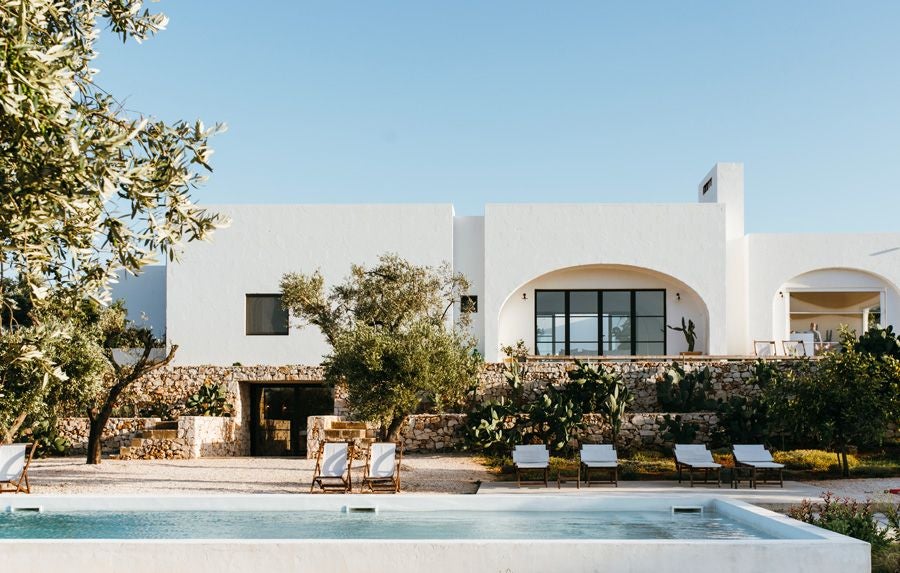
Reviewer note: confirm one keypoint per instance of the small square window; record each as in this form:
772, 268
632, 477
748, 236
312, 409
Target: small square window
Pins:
469, 303
266, 315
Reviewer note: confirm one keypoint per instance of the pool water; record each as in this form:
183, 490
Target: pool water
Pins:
311, 524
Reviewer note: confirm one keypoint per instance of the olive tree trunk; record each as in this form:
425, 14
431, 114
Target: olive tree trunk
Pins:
123, 376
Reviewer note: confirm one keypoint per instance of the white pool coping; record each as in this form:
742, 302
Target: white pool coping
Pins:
797, 547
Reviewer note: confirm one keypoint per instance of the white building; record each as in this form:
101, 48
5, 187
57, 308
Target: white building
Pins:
570, 279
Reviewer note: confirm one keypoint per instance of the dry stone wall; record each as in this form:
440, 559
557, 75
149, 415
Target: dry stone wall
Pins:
118, 432
729, 378
167, 389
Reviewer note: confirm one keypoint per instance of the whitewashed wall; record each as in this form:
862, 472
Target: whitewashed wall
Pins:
206, 290
524, 242
777, 261
468, 259
517, 314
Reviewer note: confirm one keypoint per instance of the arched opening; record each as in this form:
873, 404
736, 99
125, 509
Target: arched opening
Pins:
603, 310
812, 307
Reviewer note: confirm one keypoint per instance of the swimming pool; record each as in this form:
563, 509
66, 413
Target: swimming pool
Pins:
413, 533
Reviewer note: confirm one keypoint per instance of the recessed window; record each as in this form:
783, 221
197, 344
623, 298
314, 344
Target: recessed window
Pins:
707, 185
266, 315
600, 322
469, 303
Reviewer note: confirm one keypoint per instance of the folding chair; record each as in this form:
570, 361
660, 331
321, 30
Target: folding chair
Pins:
14, 462
332, 473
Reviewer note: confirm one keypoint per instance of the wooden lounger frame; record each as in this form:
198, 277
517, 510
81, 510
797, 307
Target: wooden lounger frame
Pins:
18, 483
332, 484
382, 484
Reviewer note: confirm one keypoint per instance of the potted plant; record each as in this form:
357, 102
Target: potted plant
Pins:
690, 336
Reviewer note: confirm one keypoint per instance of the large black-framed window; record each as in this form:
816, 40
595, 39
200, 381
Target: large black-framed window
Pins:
266, 316
620, 322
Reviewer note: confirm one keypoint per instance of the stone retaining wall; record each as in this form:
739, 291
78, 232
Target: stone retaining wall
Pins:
118, 432
729, 377
196, 437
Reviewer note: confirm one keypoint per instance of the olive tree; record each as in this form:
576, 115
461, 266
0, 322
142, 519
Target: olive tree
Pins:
88, 188
846, 399
393, 344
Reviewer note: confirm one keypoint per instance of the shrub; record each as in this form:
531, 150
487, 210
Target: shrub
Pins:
879, 342
845, 516
741, 421
492, 428
210, 400
680, 391
812, 460
676, 431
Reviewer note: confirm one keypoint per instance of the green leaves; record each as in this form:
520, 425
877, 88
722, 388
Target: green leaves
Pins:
87, 188
392, 341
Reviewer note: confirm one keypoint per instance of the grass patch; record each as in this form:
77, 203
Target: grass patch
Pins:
654, 465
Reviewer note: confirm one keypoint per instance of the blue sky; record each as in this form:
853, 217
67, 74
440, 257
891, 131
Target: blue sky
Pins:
473, 102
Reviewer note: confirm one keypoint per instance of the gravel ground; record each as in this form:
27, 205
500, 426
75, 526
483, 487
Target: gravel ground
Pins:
444, 473
860, 489
421, 473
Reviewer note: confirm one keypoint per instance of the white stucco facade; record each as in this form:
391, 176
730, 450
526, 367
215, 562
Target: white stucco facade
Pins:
736, 287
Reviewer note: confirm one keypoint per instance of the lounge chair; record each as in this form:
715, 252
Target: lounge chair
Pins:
755, 457
764, 347
14, 462
696, 457
599, 457
531, 458
382, 471
332, 473
794, 348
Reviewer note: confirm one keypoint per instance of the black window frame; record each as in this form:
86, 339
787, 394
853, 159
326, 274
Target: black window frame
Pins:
600, 340
247, 297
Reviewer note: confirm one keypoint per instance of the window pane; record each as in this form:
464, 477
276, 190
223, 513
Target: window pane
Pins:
649, 303
550, 302
544, 349
583, 302
650, 348
584, 348
544, 329
265, 315
617, 302
559, 327
650, 329
616, 328
617, 349
559, 349
583, 327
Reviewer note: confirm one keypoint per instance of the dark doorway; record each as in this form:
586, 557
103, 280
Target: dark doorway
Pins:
278, 414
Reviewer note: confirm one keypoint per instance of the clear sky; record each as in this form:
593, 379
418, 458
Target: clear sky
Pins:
473, 102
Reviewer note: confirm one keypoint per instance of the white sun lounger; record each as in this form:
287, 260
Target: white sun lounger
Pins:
332, 473
382, 471
14, 462
755, 457
599, 457
531, 458
696, 457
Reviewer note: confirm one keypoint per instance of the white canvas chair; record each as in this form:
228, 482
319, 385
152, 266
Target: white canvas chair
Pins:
696, 457
764, 348
599, 457
14, 462
794, 347
755, 457
332, 473
531, 458
382, 471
